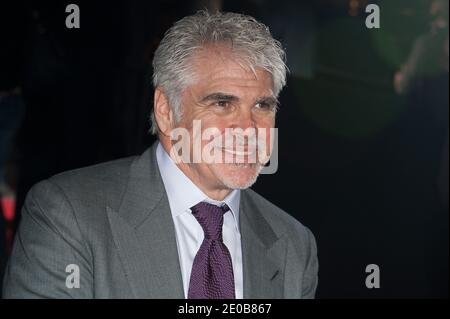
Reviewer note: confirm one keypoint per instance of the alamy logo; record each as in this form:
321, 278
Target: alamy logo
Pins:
373, 19
73, 279
251, 146
373, 279
73, 19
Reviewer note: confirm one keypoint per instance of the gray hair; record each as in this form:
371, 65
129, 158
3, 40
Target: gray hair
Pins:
248, 38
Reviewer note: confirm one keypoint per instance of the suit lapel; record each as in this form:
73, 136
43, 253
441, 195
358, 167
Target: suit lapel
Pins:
144, 233
263, 253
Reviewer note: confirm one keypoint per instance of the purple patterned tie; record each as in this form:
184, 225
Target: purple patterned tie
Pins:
212, 272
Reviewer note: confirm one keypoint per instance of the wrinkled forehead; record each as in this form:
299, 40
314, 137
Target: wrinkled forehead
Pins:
219, 64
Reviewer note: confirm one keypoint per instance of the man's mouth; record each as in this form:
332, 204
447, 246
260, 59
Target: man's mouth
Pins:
239, 151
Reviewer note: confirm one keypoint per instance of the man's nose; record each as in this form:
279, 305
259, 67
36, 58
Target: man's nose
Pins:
244, 119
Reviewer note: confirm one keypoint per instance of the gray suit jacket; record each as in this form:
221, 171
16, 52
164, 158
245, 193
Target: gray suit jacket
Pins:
113, 222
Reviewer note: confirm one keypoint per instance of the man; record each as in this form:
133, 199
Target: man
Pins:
167, 225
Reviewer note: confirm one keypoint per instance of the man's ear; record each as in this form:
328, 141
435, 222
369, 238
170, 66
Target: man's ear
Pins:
163, 112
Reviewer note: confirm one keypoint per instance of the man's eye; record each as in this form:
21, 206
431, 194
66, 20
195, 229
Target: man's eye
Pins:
222, 103
264, 106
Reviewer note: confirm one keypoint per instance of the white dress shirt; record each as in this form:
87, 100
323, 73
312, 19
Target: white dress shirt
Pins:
184, 194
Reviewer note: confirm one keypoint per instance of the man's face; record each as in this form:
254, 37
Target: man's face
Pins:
228, 95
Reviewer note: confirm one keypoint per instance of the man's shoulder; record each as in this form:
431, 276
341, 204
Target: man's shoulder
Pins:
281, 222
89, 186
104, 173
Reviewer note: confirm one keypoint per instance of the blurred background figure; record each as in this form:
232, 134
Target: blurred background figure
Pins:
423, 81
424, 77
429, 55
12, 38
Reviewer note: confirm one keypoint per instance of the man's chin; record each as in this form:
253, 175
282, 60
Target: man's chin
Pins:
238, 175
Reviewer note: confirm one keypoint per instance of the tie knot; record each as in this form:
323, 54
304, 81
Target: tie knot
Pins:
210, 217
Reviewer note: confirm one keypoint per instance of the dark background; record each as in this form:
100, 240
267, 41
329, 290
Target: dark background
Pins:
365, 168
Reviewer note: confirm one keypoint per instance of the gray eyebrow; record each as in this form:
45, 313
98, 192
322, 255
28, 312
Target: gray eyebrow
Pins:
218, 96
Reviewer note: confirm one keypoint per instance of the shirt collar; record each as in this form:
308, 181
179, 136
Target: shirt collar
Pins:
183, 193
